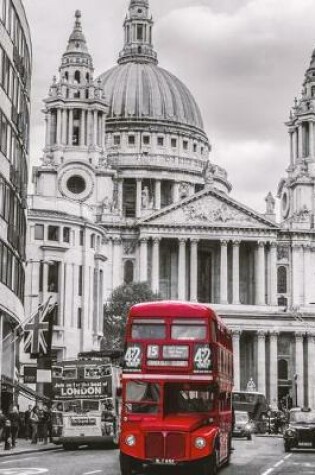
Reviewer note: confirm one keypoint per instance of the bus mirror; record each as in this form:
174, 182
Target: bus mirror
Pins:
118, 392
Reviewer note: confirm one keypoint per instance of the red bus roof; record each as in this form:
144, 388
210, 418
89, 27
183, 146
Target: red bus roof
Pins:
177, 309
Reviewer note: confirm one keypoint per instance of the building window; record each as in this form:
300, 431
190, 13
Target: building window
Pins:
81, 237
79, 322
116, 139
76, 184
53, 277
39, 232
53, 233
146, 140
195, 147
41, 276
185, 144
282, 302
66, 234
77, 77
139, 32
283, 371
131, 140
92, 242
160, 141
128, 278
173, 143
282, 280
80, 281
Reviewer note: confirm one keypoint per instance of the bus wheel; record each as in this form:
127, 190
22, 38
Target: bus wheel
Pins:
69, 447
210, 466
126, 464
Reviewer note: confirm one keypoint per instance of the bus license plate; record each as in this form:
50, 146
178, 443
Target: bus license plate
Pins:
165, 461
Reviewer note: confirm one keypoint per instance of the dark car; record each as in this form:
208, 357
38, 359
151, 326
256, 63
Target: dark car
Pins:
242, 426
301, 429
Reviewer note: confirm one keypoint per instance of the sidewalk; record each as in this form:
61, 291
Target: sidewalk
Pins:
25, 447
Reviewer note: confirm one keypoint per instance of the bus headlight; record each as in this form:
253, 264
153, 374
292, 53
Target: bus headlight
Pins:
200, 443
130, 440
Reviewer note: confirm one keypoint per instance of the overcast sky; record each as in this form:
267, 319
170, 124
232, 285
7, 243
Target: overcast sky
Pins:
243, 60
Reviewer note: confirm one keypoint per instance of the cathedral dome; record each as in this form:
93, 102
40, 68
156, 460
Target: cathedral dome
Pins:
142, 90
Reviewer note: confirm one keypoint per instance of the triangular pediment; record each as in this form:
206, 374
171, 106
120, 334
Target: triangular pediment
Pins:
209, 208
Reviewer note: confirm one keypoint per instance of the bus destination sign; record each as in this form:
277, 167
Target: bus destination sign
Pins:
79, 389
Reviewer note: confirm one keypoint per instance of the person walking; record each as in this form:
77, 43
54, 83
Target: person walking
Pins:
7, 434
14, 417
46, 423
2, 424
28, 425
34, 425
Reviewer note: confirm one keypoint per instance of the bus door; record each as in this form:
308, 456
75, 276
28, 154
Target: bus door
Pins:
225, 418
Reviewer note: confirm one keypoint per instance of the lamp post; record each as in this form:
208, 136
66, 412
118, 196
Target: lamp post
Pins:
296, 389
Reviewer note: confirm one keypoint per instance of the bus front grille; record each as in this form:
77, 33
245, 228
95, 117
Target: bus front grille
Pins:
160, 445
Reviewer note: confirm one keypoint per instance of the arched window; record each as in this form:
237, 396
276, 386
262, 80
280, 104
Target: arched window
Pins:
77, 77
87, 77
92, 243
282, 280
313, 91
128, 277
283, 370
66, 76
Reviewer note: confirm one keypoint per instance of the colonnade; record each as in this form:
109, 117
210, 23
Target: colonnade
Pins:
91, 124
264, 252
302, 376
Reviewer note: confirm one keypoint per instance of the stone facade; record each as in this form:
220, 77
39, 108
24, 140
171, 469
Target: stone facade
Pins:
126, 192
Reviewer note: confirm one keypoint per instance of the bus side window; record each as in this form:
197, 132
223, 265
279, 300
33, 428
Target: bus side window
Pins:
214, 331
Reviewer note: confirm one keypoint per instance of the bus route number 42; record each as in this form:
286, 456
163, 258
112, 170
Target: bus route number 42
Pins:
203, 358
133, 357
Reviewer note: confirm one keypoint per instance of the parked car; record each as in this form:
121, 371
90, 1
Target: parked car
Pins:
300, 432
243, 426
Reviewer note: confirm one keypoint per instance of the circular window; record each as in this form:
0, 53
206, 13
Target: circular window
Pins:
76, 184
139, 11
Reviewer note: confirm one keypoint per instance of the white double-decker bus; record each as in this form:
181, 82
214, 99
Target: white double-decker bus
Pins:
85, 409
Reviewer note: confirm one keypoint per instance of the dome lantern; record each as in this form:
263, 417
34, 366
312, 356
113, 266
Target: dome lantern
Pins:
138, 34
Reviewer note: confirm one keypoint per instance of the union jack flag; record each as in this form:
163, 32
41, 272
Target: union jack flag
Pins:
39, 332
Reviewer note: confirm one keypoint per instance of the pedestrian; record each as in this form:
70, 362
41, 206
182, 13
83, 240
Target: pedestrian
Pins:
34, 425
7, 435
41, 422
28, 425
14, 417
46, 423
2, 425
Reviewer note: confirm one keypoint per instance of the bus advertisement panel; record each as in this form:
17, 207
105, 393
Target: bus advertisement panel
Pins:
85, 410
176, 388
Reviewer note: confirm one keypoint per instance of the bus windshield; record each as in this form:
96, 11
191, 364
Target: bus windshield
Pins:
80, 405
185, 398
148, 330
142, 397
184, 331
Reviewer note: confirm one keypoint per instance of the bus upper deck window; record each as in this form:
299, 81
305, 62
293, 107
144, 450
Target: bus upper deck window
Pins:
188, 331
147, 330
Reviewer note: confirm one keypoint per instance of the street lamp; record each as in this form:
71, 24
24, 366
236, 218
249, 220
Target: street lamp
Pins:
296, 389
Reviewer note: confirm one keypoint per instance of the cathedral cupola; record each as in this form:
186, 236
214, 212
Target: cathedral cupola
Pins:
138, 34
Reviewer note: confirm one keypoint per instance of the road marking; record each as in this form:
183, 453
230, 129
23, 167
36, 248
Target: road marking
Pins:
276, 465
19, 460
91, 473
23, 471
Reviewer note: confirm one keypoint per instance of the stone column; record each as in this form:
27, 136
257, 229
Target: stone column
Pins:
48, 128
156, 265
82, 131
299, 368
61, 293
103, 130
300, 142
194, 270
224, 273
310, 366
236, 272
157, 192
273, 369
260, 274
291, 133
70, 129
89, 128
236, 359
297, 267
175, 192
120, 195
143, 274
138, 199
64, 126
307, 272
95, 128
261, 362
273, 274
181, 269
117, 263
59, 126
311, 138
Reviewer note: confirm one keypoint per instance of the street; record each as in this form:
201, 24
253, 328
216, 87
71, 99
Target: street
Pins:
261, 456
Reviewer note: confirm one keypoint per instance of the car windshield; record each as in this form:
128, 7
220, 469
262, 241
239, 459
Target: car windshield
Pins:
188, 398
241, 417
302, 417
142, 397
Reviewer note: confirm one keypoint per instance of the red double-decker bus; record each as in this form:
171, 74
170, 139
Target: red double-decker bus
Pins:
176, 388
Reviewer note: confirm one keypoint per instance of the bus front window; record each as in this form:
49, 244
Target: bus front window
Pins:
142, 397
180, 398
186, 331
148, 330
72, 406
90, 405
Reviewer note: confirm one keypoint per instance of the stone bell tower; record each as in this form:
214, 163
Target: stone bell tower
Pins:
297, 190
75, 114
